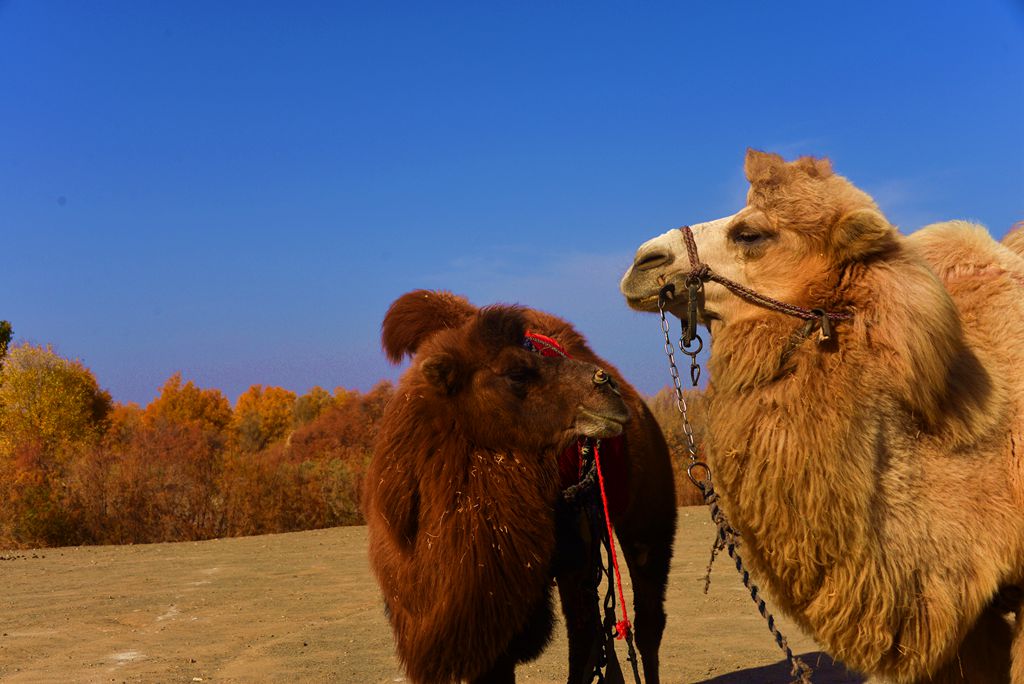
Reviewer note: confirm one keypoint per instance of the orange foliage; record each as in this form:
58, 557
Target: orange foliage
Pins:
183, 404
314, 480
189, 467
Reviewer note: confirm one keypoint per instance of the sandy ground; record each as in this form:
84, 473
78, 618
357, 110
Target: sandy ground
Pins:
305, 607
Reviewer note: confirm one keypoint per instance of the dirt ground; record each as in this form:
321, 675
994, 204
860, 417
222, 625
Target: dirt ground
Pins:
305, 607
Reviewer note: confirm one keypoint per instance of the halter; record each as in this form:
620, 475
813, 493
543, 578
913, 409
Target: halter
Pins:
589, 458
700, 273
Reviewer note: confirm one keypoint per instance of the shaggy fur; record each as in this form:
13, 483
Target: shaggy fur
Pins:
462, 489
1014, 240
877, 479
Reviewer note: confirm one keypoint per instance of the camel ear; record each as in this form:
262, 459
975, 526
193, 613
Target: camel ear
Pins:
763, 167
814, 167
862, 233
417, 315
442, 371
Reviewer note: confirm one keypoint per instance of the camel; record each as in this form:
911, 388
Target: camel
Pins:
1015, 238
464, 492
874, 463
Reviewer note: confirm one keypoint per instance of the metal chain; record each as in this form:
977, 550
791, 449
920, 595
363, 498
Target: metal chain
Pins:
727, 536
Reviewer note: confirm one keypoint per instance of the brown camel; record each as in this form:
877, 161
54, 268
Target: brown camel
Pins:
876, 475
463, 500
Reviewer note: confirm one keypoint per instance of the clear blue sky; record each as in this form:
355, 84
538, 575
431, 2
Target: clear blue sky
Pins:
239, 190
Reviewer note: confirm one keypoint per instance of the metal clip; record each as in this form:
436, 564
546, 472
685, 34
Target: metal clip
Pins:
692, 290
685, 347
666, 295
825, 325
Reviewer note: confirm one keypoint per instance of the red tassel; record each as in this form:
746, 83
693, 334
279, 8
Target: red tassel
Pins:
623, 625
622, 628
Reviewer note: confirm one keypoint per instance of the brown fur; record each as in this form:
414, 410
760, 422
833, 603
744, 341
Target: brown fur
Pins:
877, 480
461, 492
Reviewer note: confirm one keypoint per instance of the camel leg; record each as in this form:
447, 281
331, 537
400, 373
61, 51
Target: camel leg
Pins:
502, 672
575, 576
648, 565
579, 607
983, 656
526, 645
1017, 649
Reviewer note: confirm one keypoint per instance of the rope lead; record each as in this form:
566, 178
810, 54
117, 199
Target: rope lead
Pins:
726, 536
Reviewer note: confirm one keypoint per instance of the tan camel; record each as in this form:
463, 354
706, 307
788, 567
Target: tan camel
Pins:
876, 477
1015, 238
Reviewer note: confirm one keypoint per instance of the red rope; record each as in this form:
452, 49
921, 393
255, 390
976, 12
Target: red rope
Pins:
623, 626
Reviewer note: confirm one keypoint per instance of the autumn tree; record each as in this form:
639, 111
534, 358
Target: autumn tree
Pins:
51, 410
311, 405
263, 415
48, 400
157, 473
187, 404
341, 439
6, 333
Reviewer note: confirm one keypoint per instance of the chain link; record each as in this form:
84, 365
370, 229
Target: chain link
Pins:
727, 537
681, 406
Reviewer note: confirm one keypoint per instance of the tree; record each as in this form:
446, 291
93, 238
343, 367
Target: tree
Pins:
263, 416
6, 333
48, 400
187, 404
311, 405
51, 410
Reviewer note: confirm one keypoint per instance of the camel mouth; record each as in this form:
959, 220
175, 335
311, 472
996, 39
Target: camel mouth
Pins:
600, 425
642, 290
647, 304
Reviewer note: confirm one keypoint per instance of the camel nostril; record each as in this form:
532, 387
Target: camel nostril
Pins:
653, 259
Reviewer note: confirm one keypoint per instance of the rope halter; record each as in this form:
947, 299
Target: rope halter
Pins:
701, 273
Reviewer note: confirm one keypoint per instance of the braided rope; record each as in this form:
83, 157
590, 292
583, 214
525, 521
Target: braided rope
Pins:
728, 538
702, 272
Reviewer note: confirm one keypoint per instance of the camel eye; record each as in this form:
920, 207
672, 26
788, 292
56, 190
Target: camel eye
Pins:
748, 238
521, 375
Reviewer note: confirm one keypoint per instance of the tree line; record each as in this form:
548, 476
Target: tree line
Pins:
77, 467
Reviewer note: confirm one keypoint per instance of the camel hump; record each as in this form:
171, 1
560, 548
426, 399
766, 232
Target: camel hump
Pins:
417, 315
1014, 240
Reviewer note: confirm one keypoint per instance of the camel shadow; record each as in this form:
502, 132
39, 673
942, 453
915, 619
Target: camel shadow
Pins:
826, 671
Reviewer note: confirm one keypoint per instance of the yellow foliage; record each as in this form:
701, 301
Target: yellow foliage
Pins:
48, 400
263, 415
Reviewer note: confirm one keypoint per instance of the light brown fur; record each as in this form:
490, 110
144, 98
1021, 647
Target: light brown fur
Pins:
1014, 240
878, 479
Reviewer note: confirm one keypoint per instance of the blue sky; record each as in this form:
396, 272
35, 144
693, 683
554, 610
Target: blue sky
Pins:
237, 191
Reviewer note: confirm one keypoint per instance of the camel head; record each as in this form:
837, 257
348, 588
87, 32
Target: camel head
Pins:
474, 369
801, 226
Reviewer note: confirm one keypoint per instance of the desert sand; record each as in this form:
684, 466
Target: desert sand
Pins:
304, 607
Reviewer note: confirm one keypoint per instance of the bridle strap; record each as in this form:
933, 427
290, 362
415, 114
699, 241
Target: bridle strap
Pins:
698, 271
701, 273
